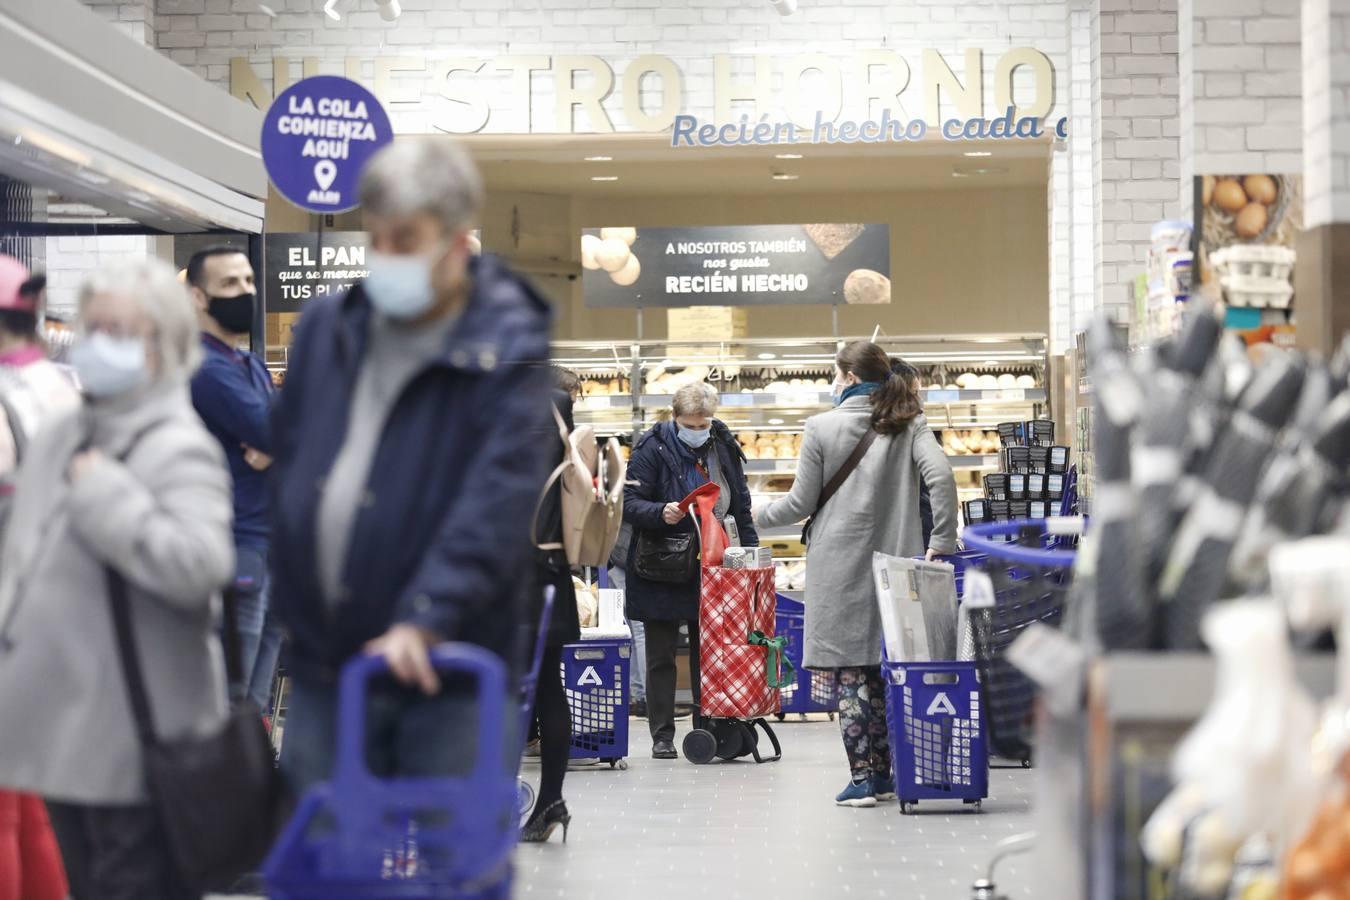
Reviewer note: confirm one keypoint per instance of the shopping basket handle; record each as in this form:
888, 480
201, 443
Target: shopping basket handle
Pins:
484, 667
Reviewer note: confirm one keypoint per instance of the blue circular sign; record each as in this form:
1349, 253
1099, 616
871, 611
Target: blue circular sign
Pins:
316, 139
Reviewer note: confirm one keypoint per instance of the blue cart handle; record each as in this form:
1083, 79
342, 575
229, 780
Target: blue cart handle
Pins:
485, 667
978, 537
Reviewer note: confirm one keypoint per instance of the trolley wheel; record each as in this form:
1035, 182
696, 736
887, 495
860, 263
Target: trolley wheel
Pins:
1026, 762
831, 717
623, 765
730, 742
700, 746
977, 805
907, 808
780, 716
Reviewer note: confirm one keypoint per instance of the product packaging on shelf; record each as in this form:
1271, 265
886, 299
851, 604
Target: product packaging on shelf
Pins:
996, 486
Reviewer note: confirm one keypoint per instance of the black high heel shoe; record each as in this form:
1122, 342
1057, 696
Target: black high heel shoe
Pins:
546, 821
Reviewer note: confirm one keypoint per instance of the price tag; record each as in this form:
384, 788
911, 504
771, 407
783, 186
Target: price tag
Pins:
1017, 395
944, 396
1055, 662
738, 399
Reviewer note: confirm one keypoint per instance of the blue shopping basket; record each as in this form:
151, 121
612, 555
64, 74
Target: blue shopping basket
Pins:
359, 837
1030, 564
933, 718
814, 692
595, 679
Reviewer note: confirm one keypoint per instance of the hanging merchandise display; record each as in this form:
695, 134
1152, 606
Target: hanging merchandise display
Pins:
1260, 724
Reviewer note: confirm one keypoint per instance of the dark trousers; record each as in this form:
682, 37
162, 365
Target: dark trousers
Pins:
554, 720
663, 640
115, 853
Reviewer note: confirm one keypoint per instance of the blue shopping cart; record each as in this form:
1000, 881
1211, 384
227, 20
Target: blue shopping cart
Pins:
1030, 567
359, 837
813, 692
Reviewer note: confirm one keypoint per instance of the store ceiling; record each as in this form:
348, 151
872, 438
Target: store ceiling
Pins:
647, 164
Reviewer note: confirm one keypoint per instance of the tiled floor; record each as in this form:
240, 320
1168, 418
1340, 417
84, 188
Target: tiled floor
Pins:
738, 831
674, 830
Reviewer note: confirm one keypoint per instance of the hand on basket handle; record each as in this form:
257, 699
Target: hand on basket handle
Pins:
407, 650
930, 554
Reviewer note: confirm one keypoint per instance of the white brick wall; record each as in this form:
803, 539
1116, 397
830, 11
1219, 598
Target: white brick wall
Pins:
1136, 146
1241, 89
204, 34
135, 18
1326, 111
71, 259
1083, 211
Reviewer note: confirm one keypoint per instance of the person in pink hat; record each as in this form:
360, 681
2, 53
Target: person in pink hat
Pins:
32, 389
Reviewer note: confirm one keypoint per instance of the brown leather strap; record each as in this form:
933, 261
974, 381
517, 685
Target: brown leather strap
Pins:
834, 484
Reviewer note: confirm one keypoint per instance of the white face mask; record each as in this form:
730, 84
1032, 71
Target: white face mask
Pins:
399, 286
109, 366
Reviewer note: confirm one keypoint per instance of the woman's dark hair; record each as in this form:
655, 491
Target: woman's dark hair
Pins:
894, 404
907, 371
565, 379
19, 322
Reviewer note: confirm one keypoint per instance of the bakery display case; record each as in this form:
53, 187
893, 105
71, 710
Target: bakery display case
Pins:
769, 388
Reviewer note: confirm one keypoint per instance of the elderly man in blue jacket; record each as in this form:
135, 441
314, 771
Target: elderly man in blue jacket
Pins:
402, 486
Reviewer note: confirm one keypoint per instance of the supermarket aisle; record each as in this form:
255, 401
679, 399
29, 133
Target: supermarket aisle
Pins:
744, 831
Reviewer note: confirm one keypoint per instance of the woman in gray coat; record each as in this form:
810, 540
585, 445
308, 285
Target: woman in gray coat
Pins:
875, 510
131, 481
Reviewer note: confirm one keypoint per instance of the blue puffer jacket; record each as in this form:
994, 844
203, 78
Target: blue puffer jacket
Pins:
442, 536
658, 475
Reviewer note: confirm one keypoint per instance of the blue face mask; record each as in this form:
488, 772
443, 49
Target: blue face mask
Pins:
399, 286
108, 366
693, 437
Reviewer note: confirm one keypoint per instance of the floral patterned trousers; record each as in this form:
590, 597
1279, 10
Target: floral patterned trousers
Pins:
862, 720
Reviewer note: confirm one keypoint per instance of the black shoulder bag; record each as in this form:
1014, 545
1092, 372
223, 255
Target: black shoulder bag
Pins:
834, 484
218, 795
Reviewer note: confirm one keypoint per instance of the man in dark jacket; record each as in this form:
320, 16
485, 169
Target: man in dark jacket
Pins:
668, 463
403, 488
232, 392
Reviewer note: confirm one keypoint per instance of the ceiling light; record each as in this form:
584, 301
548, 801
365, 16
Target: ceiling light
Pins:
978, 153
768, 356
775, 421
991, 362
780, 176
604, 178
330, 12
788, 156
599, 159
389, 9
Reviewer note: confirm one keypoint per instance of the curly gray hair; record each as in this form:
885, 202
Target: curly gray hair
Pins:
695, 399
164, 299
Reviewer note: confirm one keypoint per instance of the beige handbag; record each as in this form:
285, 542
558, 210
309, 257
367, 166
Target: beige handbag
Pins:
592, 496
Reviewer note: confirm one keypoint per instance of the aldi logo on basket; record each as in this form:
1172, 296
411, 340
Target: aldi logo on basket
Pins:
941, 705
590, 676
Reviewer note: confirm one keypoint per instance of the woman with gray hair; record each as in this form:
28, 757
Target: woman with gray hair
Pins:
132, 485
663, 575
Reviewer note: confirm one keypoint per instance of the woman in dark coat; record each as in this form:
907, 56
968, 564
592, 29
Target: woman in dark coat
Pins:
668, 463
550, 704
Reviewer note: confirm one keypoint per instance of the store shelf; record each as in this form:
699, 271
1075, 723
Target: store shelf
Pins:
811, 398
789, 466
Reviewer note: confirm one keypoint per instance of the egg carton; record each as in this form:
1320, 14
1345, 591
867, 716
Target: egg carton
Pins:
1257, 293
1254, 261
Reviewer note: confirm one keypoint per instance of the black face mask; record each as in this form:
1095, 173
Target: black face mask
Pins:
235, 314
